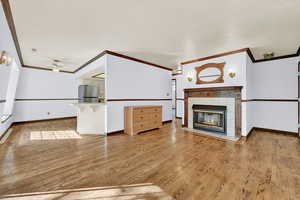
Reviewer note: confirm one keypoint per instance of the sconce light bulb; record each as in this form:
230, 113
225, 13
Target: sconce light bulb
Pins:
5, 58
189, 78
232, 74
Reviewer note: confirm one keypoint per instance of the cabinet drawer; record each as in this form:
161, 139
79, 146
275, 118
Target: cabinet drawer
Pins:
140, 111
140, 127
155, 124
147, 117
155, 116
140, 118
158, 109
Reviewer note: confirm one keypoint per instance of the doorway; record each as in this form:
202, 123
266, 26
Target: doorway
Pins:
174, 96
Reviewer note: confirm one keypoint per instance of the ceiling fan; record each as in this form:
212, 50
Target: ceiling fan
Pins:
58, 64
56, 67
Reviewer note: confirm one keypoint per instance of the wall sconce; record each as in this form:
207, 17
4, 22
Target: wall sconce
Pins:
231, 73
5, 58
189, 78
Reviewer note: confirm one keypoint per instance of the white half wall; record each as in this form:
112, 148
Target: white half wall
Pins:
127, 79
281, 116
38, 110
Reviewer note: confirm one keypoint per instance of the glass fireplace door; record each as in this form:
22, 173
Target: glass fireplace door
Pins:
210, 118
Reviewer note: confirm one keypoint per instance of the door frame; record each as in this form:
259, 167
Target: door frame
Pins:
175, 80
298, 98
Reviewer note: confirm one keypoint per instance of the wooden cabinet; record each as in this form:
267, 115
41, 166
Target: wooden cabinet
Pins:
142, 118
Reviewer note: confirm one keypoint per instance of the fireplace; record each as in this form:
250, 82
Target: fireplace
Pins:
209, 118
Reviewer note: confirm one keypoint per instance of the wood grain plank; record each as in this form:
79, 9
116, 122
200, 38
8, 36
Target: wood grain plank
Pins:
186, 166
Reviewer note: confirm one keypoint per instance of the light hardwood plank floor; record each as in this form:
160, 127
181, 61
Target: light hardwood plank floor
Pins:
48, 156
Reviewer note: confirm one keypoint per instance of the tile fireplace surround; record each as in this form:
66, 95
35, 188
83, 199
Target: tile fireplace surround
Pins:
215, 96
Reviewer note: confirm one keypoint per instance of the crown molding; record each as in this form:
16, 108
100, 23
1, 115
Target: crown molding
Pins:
216, 56
137, 60
99, 56
90, 61
280, 57
121, 56
46, 69
248, 51
250, 55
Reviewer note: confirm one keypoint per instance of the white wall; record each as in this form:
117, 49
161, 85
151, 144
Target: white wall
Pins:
7, 44
128, 79
250, 106
180, 108
42, 84
235, 62
180, 95
276, 115
11, 88
274, 80
4, 78
264, 80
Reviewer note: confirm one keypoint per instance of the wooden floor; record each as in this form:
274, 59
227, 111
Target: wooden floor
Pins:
184, 165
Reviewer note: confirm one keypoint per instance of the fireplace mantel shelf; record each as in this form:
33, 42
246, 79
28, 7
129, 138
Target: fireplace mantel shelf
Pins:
214, 88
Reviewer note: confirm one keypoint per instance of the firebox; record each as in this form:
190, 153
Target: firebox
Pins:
210, 118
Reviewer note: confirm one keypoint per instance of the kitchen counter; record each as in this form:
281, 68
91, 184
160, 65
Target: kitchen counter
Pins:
91, 118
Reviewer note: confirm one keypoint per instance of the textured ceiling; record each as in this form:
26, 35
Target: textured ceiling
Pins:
163, 32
